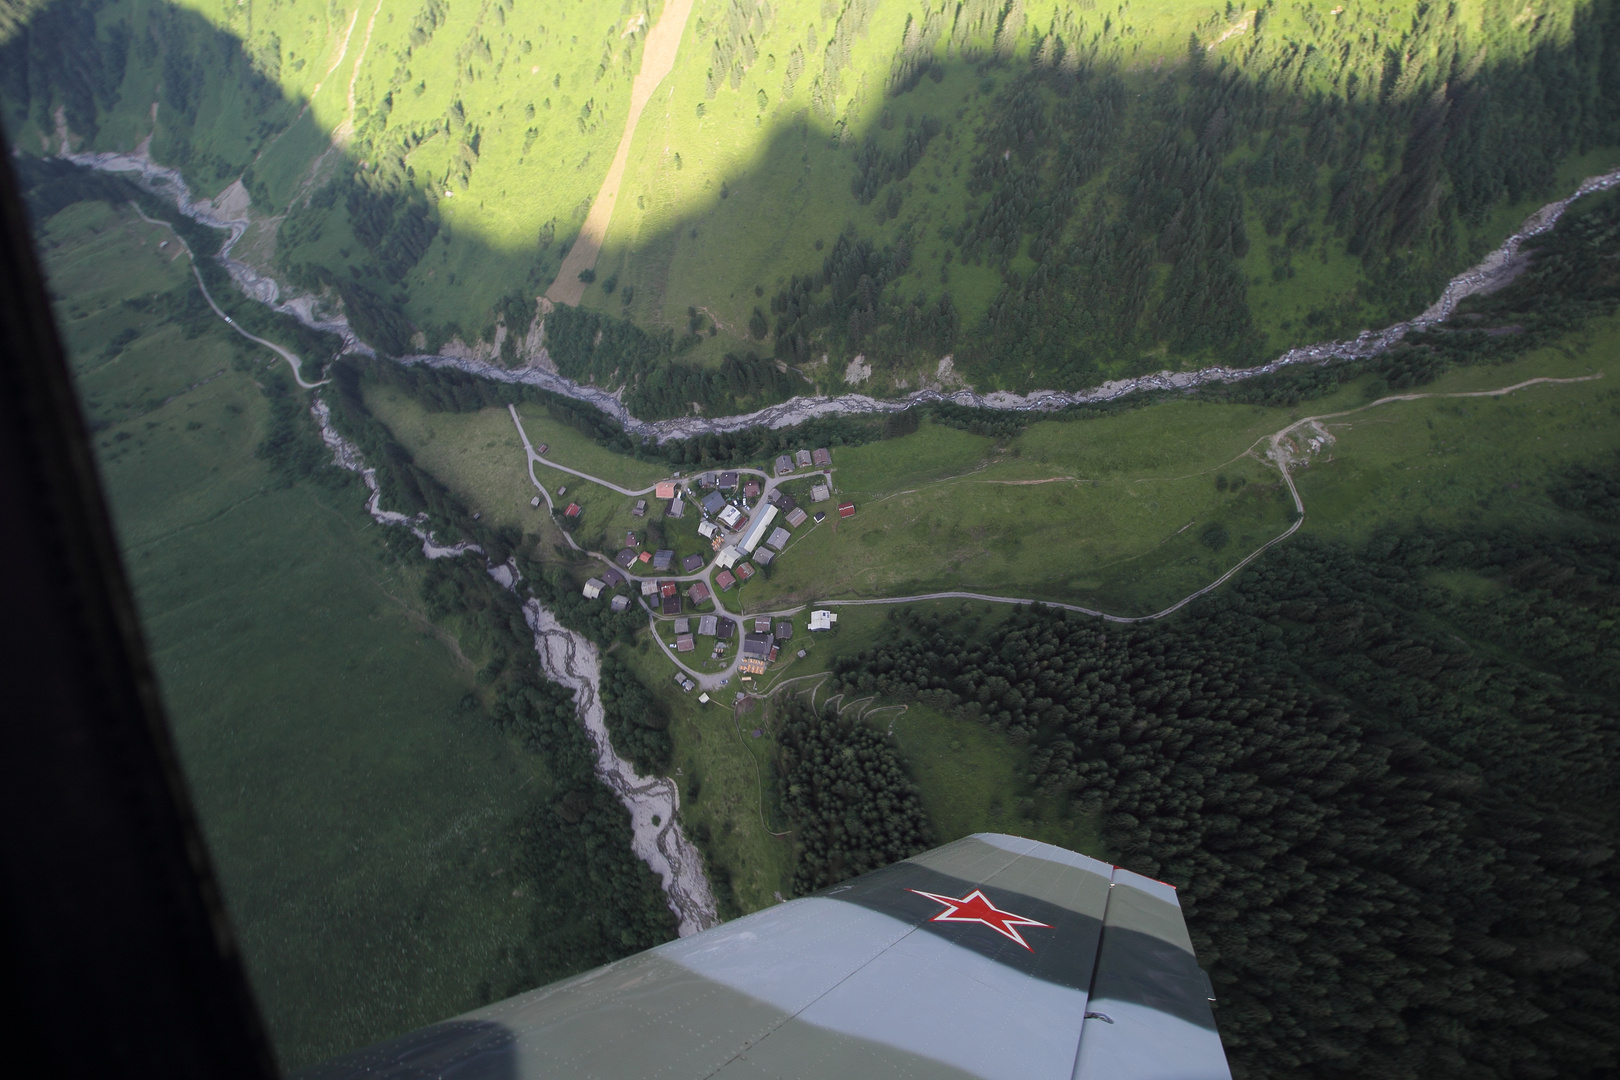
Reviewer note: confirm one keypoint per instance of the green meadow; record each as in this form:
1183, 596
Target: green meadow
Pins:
364, 819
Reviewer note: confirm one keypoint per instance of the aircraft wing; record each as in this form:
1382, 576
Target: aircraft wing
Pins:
992, 957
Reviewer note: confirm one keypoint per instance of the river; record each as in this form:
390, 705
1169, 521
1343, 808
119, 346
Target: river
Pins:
230, 214
569, 660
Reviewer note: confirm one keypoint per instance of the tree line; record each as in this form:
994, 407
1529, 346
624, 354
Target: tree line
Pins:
853, 807
1390, 811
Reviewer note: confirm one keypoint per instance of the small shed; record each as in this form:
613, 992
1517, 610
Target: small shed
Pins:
664, 490
535, 501
593, 588
779, 538
821, 456
846, 509
797, 517
725, 580
640, 509
692, 564
573, 510
802, 459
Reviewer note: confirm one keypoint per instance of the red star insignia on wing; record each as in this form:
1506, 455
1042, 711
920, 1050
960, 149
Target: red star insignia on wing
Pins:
976, 907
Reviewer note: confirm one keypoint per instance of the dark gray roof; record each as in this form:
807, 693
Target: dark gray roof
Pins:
757, 644
712, 502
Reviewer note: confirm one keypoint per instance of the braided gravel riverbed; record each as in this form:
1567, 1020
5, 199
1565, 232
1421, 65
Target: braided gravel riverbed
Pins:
570, 661
230, 214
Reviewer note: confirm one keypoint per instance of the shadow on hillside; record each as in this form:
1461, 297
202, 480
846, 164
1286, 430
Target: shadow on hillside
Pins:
1122, 216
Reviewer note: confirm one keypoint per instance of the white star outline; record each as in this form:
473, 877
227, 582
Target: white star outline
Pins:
1005, 924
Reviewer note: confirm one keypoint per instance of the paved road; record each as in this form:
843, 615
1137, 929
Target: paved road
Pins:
1279, 452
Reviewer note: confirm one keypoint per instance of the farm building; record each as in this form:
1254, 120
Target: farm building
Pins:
698, 593
779, 538
758, 529
663, 558
708, 624
665, 490
822, 620
797, 517
620, 603
685, 643
725, 580
820, 493
692, 563
593, 588
784, 465
823, 456
802, 459
846, 509
713, 502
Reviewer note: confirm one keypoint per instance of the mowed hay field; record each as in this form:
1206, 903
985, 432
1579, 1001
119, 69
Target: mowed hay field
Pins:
365, 824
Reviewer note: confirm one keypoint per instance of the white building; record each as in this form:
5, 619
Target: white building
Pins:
729, 556
730, 516
758, 529
822, 620
708, 530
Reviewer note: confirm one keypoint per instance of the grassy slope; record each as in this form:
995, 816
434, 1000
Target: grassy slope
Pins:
365, 828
